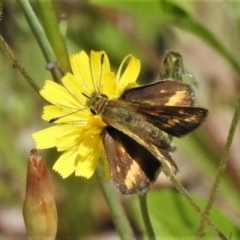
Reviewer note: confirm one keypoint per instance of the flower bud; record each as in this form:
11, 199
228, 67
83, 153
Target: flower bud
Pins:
39, 210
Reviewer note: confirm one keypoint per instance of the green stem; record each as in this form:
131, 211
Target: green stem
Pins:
145, 216
222, 166
119, 217
38, 33
17, 65
50, 24
182, 190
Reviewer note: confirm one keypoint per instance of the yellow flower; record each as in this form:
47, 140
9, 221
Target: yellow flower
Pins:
77, 131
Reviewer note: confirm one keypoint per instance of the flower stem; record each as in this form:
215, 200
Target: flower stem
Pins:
39, 34
50, 25
222, 166
119, 217
145, 216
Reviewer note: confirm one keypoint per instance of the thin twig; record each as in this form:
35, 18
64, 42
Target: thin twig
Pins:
182, 190
17, 65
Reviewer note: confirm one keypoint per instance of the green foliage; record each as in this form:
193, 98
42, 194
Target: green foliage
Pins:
207, 36
172, 218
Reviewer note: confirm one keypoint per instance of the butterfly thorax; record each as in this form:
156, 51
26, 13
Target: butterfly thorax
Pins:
97, 103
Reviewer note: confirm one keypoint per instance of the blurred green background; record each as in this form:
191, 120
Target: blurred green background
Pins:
200, 31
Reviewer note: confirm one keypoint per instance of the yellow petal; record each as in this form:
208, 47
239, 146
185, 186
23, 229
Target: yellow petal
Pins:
46, 138
75, 87
87, 168
87, 165
109, 85
87, 162
96, 65
81, 70
86, 146
100, 65
68, 136
68, 140
58, 95
66, 163
83, 148
100, 62
51, 111
130, 74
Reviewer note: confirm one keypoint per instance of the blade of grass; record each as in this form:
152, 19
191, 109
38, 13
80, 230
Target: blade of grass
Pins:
50, 24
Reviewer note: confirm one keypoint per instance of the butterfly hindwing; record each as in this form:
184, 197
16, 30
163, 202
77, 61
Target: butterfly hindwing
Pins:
176, 121
132, 167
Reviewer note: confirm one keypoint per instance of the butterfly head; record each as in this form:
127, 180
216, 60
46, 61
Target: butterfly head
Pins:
96, 103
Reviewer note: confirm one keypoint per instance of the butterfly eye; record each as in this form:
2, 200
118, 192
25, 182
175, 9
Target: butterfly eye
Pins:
104, 96
93, 111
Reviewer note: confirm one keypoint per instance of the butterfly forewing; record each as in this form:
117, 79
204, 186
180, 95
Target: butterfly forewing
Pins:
166, 93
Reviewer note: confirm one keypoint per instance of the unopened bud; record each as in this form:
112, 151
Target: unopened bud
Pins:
39, 210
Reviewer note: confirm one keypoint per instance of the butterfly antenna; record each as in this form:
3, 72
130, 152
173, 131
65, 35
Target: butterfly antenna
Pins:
85, 95
99, 89
68, 114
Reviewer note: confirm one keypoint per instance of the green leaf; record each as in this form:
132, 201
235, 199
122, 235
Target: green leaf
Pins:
173, 218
